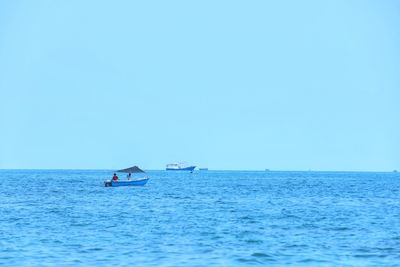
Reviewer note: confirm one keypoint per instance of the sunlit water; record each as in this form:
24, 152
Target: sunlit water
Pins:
68, 218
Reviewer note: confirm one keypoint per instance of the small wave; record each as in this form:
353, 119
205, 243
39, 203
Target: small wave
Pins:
368, 256
254, 241
309, 261
243, 260
261, 255
343, 228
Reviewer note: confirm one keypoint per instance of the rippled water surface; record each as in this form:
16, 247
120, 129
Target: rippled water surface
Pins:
67, 218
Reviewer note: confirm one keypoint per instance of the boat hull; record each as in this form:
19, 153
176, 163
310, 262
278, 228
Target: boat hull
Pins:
140, 182
190, 168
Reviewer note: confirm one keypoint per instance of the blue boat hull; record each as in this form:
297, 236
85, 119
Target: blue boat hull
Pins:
191, 168
140, 182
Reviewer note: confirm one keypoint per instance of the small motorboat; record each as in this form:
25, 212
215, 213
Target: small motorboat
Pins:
136, 182
129, 182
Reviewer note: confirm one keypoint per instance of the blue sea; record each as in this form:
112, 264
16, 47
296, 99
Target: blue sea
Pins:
207, 218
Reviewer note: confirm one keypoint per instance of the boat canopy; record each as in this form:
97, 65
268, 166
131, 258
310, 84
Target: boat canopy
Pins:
134, 169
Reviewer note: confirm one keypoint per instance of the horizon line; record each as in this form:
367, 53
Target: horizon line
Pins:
238, 170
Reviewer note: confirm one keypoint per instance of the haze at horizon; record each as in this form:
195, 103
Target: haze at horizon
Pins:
224, 85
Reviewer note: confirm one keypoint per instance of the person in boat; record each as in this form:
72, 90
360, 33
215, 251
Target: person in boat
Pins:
115, 178
129, 176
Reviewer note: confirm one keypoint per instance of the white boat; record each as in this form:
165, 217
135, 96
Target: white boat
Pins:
180, 167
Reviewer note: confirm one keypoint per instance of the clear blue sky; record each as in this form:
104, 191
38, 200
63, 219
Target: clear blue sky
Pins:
290, 85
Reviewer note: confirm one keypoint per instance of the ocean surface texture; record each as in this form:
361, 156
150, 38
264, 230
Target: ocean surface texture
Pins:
207, 218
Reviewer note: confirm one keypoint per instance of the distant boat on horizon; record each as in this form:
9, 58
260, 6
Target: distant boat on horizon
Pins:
180, 167
203, 169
